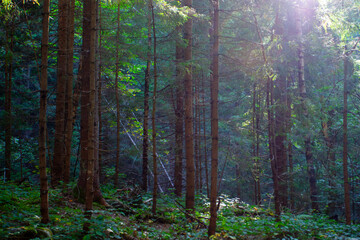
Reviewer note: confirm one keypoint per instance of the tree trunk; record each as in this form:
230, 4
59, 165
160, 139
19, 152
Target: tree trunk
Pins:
88, 103
153, 113
214, 121
196, 138
99, 36
179, 115
189, 140
88, 186
69, 88
117, 159
59, 141
44, 197
146, 108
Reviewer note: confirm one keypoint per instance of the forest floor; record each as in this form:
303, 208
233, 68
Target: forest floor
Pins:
129, 217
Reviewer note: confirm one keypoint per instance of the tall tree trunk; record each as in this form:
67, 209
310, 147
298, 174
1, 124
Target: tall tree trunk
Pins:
88, 103
146, 107
44, 197
116, 178
345, 146
179, 115
214, 121
303, 96
89, 173
99, 37
153, 114
189, 140
59, 141
8, 88
69, 88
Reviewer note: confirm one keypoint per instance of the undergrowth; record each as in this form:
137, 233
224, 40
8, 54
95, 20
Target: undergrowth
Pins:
130, 217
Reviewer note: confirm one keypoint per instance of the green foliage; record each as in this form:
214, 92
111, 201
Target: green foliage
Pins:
19, 208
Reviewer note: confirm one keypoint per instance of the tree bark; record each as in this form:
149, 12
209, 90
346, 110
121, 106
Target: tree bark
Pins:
116, 178
44, 197
88, 103
189, 140
214, 121
99, 37
145, 162
179, 115
59, 141
153, 113
69, 88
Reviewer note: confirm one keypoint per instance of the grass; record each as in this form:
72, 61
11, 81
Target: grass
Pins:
131, 218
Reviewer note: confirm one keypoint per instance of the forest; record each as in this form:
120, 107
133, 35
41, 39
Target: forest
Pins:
180, 119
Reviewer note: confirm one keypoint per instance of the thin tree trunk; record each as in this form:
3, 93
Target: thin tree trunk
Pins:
179, 124
69, 90
196, 137
345, 147
214, 121
189, 140
44, 197
153, 113
146, 108
116, 178
100, 89
59, 141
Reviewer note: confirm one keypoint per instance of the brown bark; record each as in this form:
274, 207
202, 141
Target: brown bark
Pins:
153, 113
214, 121
69, 88
179, 124
44, 197
59, 141
88, 106
88, 187
99, 37
117, 159
145, 162
345, 147
189, 140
